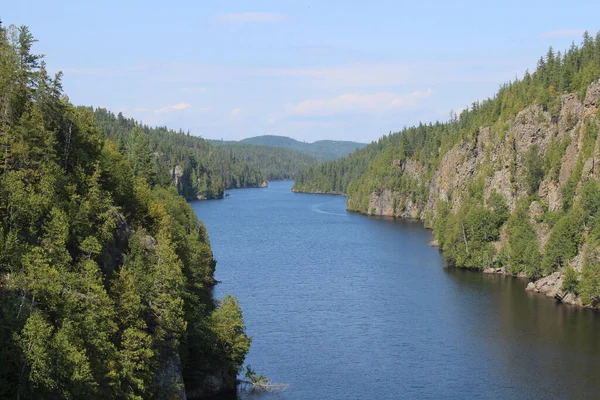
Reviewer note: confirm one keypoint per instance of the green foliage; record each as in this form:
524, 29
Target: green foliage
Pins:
143, 162
570, 281
590, 200
563, 242
569, 189
440, 225
277, 163
322, 150
552, 217
255, 379
553, 156
358, 174
589, 285
407, 161
534, 168
523, 254
467, 236
229, 327
166, 157
500, 211
103, 266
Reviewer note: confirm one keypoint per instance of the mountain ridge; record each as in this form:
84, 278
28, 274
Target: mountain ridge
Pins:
323, 150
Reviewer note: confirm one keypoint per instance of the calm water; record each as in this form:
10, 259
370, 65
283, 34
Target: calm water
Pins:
344, 306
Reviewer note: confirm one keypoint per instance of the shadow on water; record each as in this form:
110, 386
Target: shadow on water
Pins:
541, 341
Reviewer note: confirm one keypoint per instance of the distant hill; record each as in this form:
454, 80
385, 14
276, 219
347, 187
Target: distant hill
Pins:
276, 163
323, 150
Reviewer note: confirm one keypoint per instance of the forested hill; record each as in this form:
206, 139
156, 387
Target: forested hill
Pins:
276, 163
323, 150
511, 185
105, 271
198, 169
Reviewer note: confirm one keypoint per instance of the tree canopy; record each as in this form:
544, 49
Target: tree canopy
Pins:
105, 271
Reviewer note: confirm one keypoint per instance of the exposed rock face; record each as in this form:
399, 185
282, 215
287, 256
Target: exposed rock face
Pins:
412, 169
176, 174
497, 155
392, 204
264, 184
551, 286
550, 191
592, 98
112, 253
169, 378
542, 230
382, 203
497, 151
499, 271
221, 383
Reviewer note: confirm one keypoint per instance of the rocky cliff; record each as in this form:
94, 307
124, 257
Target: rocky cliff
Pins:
496, 159
499, 158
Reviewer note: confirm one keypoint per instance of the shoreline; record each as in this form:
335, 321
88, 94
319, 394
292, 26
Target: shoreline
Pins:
329, 193
549, 286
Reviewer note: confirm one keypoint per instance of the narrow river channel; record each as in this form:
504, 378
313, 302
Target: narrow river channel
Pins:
344, 306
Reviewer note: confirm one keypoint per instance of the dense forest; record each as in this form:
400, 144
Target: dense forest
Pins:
276, 163
509, 185
105, 271
322, 150
192, 164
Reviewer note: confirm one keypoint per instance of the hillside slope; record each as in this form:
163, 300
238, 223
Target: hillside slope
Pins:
510, 186
323, 150
276, 163
105, 274
196, 168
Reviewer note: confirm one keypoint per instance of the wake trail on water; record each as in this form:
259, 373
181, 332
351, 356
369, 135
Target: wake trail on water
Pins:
317, 208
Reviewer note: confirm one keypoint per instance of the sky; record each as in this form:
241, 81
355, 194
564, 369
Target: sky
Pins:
311, 70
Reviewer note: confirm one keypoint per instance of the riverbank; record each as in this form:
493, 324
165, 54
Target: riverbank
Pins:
329, 290
549, 286
332, 193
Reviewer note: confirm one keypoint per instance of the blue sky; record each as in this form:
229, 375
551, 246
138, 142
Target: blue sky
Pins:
347, 70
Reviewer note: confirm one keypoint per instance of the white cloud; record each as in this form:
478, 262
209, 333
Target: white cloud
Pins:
234, 113
251, 18
562, 33
358, 103
174, 107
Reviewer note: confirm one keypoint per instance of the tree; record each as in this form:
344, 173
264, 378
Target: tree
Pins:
534, 168
231, 332
563, 242
100, 274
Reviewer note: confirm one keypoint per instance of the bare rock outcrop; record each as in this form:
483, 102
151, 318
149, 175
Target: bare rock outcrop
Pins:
497, 156
551, 286
169, 378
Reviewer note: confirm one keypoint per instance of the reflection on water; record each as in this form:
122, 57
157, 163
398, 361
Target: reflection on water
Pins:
344, 306
541, 339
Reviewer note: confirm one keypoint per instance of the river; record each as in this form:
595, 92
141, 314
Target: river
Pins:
345, 306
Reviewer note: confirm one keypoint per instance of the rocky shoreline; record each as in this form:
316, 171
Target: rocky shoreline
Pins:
549, 286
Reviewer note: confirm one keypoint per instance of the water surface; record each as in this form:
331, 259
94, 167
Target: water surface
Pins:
344, 306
